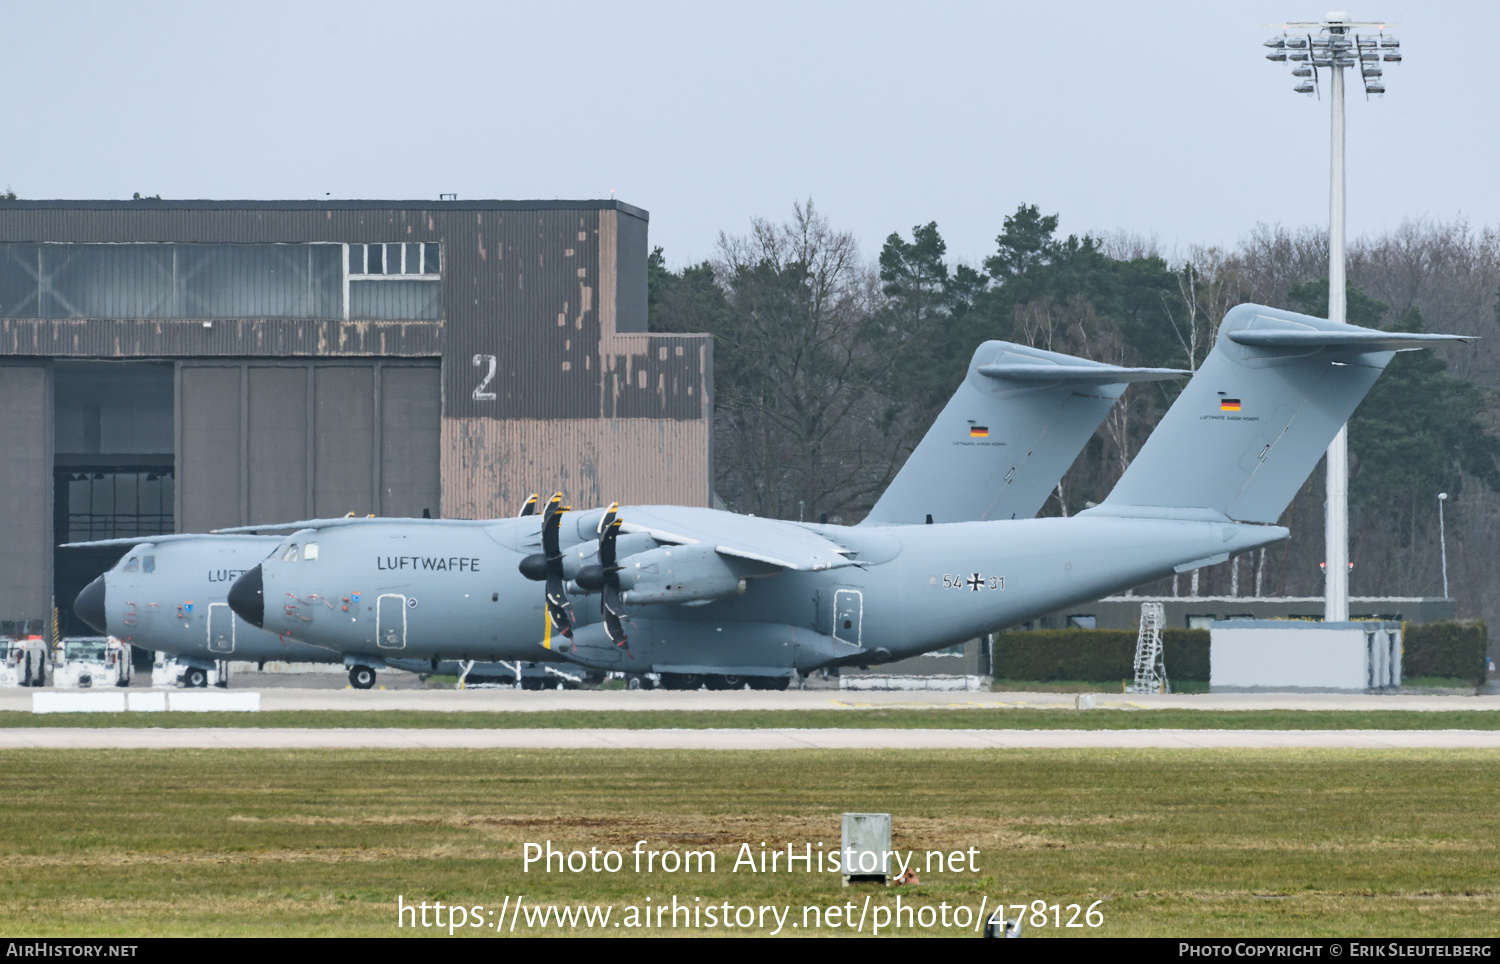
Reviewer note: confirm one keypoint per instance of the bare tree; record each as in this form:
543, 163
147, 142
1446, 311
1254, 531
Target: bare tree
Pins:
797, 414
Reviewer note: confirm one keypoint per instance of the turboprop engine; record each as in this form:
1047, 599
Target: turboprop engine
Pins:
679, 574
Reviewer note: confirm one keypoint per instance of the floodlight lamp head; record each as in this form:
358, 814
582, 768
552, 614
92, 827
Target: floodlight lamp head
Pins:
1442, 497
1276, 43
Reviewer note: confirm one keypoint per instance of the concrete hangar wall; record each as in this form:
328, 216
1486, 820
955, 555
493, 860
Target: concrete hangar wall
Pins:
182, 365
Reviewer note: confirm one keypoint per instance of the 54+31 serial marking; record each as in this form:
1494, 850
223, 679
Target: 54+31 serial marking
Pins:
973, 581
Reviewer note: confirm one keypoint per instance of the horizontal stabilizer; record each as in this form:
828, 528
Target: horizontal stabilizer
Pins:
1093, 373
1362, 340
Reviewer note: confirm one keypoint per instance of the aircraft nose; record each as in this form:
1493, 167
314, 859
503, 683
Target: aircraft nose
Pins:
89, 606
247, 599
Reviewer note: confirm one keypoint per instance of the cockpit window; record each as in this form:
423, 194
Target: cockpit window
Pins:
148, 563
310, 552
132, 564
291, 553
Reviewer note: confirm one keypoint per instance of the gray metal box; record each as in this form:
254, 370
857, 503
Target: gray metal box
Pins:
868, 835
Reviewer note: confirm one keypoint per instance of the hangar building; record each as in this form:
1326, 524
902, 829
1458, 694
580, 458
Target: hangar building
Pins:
176, 366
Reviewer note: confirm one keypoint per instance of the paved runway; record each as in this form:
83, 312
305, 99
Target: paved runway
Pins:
785, 739
525, 701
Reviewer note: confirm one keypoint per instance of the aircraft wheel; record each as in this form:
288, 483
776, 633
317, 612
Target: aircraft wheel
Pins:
194, 678
361, 677
680, 681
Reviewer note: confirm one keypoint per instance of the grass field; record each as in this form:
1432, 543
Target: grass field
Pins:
975, 718
1285, 842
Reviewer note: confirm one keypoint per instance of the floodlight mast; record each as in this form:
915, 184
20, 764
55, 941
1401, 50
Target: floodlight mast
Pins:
1336, 43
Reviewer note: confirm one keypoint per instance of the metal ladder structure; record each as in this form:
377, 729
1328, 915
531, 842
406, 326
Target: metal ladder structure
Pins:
1150, 662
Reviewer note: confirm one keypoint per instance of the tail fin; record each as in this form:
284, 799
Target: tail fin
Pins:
1006, 436
1250, 427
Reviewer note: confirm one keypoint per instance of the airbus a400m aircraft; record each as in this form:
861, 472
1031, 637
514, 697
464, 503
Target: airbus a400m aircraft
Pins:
1022, 434
703, 592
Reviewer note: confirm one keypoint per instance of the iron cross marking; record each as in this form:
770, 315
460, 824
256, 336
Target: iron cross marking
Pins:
976, 582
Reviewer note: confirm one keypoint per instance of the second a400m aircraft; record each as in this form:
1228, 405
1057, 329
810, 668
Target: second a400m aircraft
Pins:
695, 593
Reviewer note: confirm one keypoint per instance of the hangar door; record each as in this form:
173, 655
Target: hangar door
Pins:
26, 497
272, 441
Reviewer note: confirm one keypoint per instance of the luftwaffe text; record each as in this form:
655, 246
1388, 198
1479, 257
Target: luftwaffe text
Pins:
431, 563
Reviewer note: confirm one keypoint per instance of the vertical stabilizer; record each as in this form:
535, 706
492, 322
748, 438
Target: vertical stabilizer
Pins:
1250, 427
1006, 436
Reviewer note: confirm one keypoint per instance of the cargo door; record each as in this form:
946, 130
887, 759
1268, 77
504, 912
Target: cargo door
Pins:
390, 621
220, 628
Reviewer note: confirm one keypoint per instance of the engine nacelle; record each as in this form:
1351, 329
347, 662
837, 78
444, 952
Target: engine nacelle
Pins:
676, 574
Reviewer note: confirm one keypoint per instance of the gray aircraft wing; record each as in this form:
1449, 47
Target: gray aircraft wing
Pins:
1005, 438
347, 521
700, 554
153, 540
772, 542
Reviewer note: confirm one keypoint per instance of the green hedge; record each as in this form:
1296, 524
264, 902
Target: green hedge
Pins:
1451, 649
1095, 655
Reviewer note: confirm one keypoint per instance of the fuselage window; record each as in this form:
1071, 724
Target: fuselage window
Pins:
131, 565
148, 563
310, 552
291, 553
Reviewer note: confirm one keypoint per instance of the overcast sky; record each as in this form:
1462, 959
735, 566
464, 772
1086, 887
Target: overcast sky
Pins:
1161, 118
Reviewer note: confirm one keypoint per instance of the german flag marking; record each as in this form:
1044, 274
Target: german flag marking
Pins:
1229, 405
982, 431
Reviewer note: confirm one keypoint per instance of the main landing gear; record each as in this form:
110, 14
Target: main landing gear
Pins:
719, 681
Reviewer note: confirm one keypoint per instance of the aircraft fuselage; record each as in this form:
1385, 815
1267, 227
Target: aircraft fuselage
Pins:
418, 591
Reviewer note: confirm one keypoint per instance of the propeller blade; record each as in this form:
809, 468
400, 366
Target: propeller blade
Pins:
610, 603
559, 611
528, 507
551, 522
614, 615
609, 530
